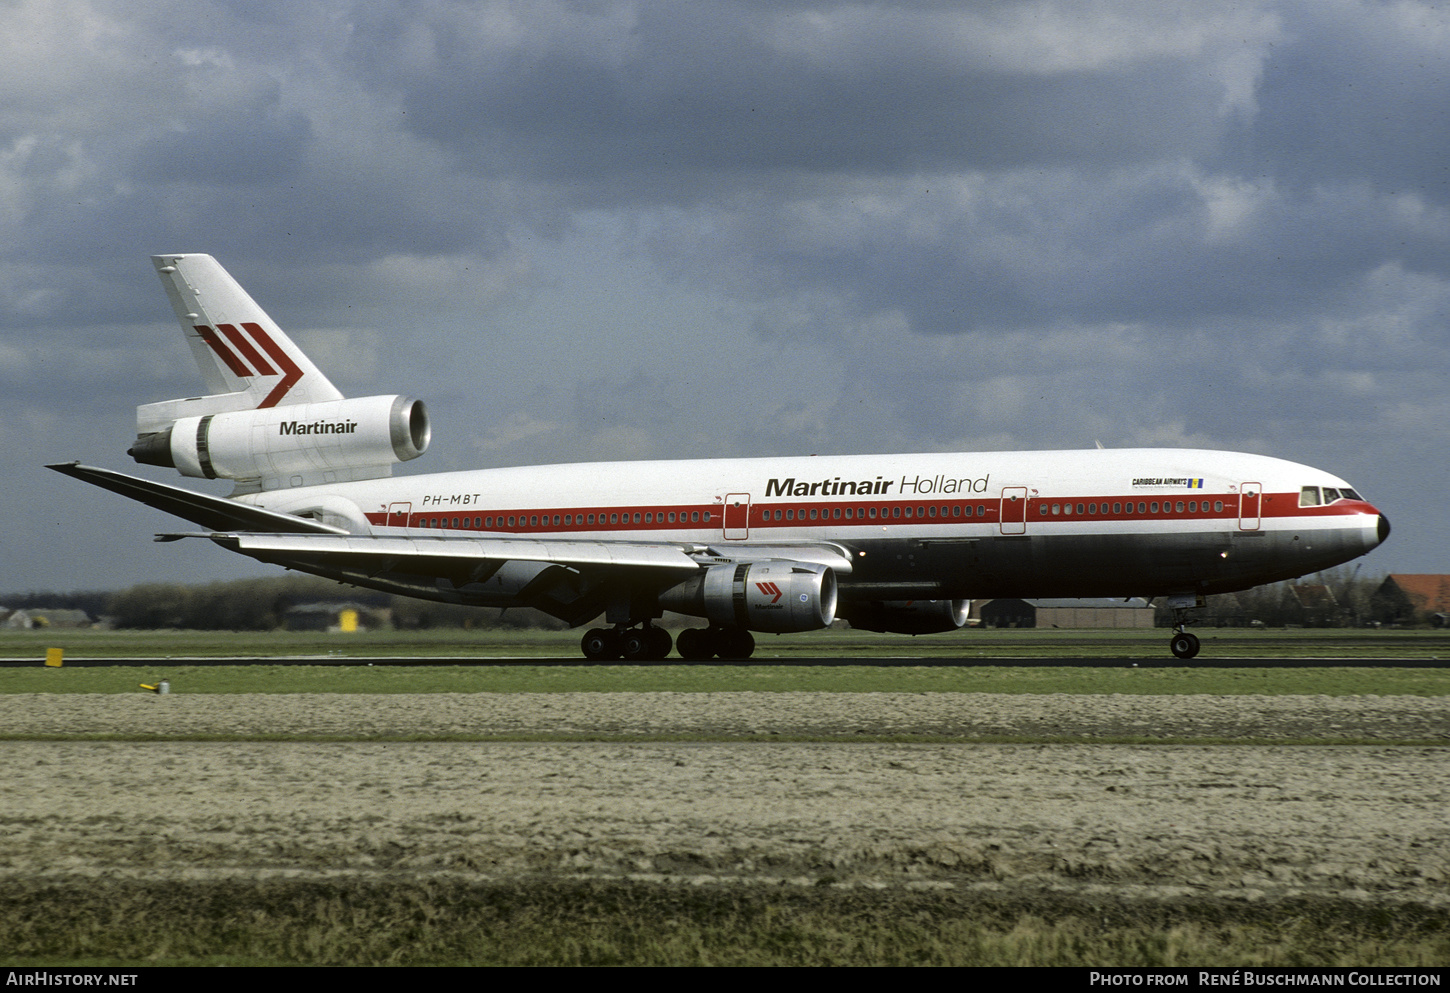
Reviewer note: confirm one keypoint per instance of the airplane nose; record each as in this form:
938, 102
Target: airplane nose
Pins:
1384, 528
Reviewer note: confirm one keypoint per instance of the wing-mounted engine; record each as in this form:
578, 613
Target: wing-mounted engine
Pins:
334, 440
907, 616
771, 595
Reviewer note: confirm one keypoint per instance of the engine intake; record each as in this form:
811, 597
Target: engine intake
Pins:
356, 438
772, 596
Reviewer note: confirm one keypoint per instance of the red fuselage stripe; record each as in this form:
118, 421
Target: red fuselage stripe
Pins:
1215, 507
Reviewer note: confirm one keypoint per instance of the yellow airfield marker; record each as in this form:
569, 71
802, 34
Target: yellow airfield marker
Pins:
54, 656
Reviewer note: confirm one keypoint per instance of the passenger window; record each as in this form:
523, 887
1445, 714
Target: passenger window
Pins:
1117, 508
695, 516
1309, 496
1178, 506
1218, 506
896, 512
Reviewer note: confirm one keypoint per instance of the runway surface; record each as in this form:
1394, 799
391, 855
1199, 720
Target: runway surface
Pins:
1202, 662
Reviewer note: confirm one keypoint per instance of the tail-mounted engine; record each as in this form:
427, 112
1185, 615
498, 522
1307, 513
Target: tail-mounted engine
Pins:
346, 439
907, 616
771, 596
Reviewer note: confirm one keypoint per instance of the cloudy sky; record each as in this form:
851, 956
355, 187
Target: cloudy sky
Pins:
627, 230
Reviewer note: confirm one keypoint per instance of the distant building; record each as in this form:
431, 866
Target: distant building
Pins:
1082, 612
44, 617
1412, 598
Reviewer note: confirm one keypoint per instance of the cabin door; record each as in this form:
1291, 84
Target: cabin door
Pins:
737, 516
1250, 496
1013, 512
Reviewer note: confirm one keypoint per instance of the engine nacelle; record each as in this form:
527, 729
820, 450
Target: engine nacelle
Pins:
770, 596
353, 439
907, 616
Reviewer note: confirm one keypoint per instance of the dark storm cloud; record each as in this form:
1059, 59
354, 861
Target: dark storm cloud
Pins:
1357, 95
684, 95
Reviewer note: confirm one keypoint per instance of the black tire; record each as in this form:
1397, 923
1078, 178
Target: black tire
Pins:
736, 644
695, 644
660, 644
600, 645
634, 646
1184, 645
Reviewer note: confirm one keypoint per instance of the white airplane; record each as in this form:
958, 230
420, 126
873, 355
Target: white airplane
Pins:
897, 543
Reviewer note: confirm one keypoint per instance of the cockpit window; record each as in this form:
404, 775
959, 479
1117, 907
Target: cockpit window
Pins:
1349, 494
1309, 496
1330, 494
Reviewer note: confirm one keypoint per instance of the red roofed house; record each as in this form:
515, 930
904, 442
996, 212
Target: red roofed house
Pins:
1413, 599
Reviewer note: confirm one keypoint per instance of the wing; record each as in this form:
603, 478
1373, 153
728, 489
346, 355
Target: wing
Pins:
571, 579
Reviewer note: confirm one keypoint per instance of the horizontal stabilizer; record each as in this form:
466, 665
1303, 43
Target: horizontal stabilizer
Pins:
213, 513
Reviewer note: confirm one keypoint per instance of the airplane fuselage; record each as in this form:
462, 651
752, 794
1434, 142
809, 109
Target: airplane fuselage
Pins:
1128, 522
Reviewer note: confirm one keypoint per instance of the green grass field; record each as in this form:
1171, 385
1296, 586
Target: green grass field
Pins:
1149, 644
524, 678
1213, 672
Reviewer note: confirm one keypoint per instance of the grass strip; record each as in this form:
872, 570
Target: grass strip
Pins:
544, 921
1147, 643
523, 678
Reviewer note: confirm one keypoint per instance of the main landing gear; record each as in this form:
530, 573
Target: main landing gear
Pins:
707, 643
1183, 645
642, 644
651, 644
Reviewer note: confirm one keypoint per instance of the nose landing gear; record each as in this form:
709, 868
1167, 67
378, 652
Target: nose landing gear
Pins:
1183, 645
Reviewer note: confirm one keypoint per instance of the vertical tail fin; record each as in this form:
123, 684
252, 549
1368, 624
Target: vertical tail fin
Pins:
237, 347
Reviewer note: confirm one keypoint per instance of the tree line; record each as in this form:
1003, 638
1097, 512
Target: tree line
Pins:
1339, 597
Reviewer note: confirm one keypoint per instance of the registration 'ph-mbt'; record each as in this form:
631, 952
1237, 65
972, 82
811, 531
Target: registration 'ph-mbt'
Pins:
896, 543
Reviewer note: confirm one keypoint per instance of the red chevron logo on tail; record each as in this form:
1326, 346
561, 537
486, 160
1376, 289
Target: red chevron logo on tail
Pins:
245, 352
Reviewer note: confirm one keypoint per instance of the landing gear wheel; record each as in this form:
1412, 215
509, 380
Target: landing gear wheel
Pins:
660, 644
1184, 645
634, 646
694, 644
601, 645
736, 644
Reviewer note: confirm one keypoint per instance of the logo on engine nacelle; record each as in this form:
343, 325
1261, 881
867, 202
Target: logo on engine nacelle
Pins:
768, 589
